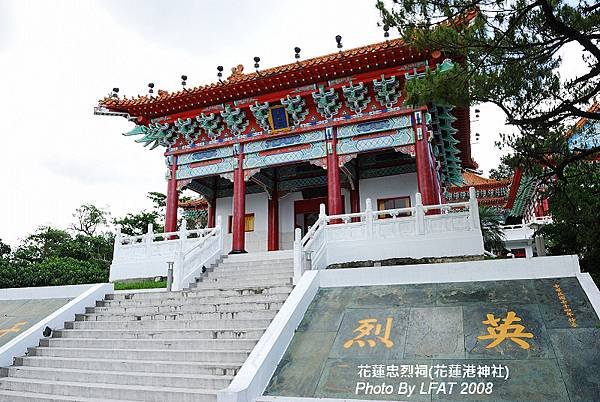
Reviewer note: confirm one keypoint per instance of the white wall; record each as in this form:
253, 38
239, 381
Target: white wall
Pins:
255, 204
286, 220
401, 185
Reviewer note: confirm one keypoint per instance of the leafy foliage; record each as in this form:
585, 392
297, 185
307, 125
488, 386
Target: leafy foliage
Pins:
88, 218
137, 224
52, 256
134, 224
491, 222
509, 54
50, 272
574, 205
4, 249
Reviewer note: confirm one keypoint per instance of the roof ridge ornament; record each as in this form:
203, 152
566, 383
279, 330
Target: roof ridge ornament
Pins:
237, 72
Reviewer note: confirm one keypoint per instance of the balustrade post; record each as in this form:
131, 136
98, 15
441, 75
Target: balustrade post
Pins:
178, 271
420, 214
220, 232
298, 255
118, 243
369, 218
149, 239
474, 209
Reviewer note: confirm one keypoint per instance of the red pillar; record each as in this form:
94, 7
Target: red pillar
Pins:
334, 191
172, 199
425, 169
273, 221
212, 206
355, 200
239, 207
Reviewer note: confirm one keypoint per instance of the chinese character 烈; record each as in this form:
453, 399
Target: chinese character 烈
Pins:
370, 328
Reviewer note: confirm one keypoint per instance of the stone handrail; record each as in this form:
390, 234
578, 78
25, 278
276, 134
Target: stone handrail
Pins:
310, 250
146, 256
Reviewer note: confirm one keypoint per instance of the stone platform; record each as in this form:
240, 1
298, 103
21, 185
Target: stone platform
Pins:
428, 334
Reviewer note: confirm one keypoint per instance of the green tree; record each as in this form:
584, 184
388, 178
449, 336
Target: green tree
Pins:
4, 249
574, 205
88, 218
137, 224
134, 224
509, 55
491, 222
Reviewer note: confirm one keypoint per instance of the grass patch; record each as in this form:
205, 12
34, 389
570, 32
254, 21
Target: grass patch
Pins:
148, 284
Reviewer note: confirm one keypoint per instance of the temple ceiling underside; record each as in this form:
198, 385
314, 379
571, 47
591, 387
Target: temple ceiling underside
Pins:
303, 175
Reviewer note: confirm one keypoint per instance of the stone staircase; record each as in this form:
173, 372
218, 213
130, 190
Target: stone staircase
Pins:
158, 346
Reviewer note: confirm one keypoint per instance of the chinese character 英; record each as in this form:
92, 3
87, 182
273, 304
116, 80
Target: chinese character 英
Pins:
507, 330
369, 328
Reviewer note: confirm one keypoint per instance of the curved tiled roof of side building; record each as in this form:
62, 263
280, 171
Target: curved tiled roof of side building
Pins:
199, 203
595, 108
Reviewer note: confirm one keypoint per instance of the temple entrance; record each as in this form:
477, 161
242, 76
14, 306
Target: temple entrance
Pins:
306, 212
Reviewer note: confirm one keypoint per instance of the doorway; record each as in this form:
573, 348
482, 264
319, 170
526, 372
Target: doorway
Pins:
306, 212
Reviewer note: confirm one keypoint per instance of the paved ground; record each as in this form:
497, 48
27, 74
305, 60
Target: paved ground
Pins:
18, 315
496, 341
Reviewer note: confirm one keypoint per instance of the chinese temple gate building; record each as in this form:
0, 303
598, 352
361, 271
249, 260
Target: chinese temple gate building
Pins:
266, 148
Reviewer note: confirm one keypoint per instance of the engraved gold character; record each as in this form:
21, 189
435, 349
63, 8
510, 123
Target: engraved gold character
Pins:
507, 330
368, 329
14, 328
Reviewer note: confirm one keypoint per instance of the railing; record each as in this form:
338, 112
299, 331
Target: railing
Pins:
403, 232
146, 256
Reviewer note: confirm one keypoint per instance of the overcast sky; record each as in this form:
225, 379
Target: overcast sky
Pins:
57, 58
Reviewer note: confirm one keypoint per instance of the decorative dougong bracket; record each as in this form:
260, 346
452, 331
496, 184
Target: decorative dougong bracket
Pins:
356, 97
387, 91
295, 108
235, 119
187, 128
327, 102
210, 124
155, 134
261, 114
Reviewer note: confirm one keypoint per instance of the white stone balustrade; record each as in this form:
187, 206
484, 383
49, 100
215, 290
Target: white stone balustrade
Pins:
146, 256
420, 231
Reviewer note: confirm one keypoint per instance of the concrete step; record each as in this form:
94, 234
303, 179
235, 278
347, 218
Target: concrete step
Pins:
121, 377
146, 366
205, 355
187, 308
260, 298
251, 333
259, 256
267, 265
234, 290
223, 324
247, 283
18, 396
242, 276
162, 344
108, 391
179, 315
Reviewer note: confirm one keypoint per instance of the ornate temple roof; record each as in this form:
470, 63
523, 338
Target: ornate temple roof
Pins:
239, 85
374, 59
